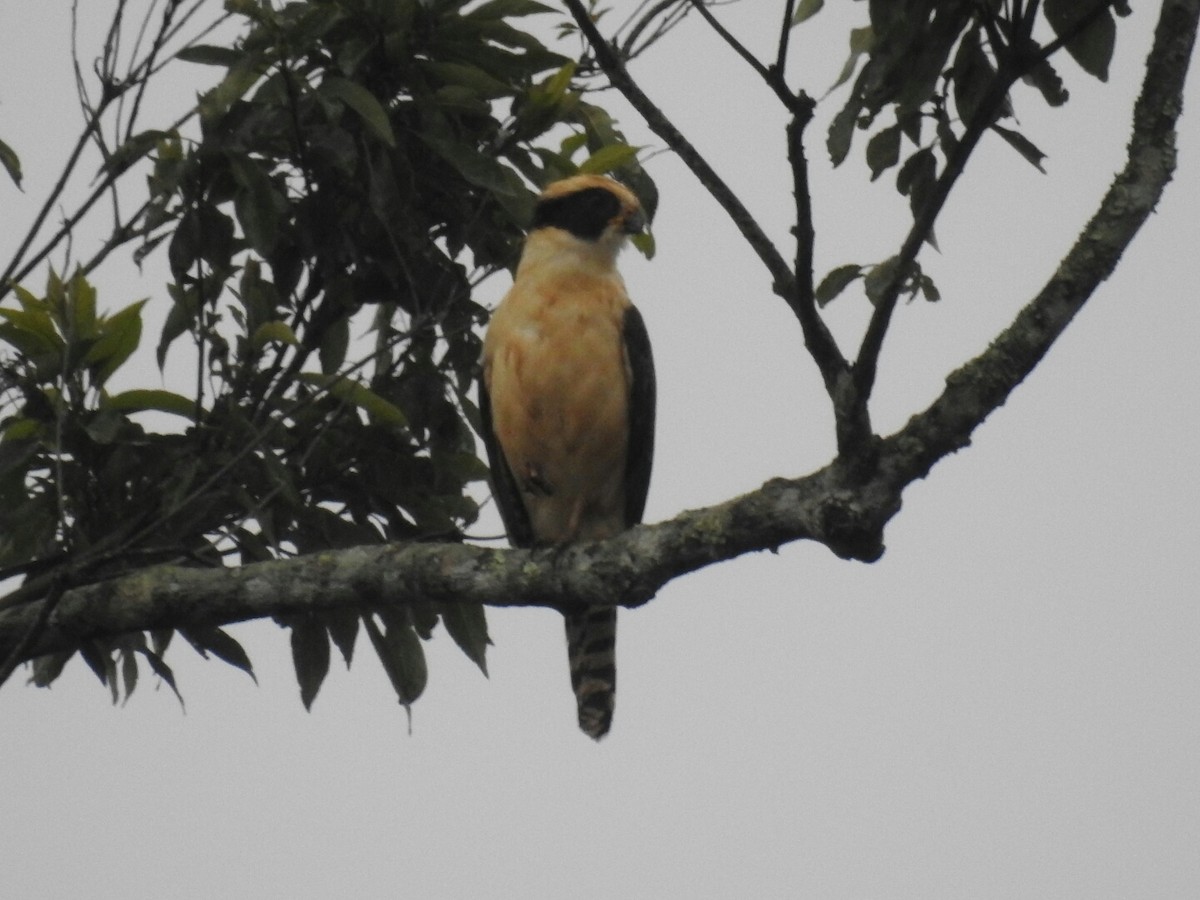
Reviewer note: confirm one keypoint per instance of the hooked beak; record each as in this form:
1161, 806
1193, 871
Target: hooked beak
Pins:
635, 222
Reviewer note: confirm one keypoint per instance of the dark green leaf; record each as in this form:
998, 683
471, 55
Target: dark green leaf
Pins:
162, 670
11, 163
502, 9
862, 41
878, 278
402, 656
836, 282
137, 147
1092, 31
475, 79
466, 623
141, 400
129, 672
841, 131
606, 159
343, 629
258, 204
883, 150
221, 645
929, 289
973, 75
120, 335
1022, 145
917, 178
31, 332
47, 668
335, 343
209, 55
805, 10
363, 102
1046, 79
360, 395
276, 331
100, 661
310, 656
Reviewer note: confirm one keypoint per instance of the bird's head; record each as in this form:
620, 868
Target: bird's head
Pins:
591, 208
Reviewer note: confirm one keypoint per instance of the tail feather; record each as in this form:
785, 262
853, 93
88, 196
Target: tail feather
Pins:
591, 652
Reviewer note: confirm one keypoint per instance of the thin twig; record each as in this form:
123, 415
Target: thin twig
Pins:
785, 32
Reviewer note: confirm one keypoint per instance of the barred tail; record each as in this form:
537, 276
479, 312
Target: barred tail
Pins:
591, 652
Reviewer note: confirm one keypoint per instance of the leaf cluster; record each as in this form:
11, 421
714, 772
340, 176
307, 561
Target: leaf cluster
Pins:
939, 72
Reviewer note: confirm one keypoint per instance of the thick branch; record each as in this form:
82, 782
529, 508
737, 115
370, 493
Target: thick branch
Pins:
627, 570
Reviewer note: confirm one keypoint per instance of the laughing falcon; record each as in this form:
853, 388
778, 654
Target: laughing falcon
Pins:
567, 401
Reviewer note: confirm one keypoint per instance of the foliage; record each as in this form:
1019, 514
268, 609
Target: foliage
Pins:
938, 70
360, 167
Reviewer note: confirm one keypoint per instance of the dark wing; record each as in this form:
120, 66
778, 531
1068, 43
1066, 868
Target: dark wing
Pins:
640, 457
504, 486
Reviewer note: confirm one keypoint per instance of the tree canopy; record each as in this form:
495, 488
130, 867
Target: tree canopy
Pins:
361, 167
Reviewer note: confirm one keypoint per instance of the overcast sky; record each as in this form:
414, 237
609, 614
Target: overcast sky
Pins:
1006, 705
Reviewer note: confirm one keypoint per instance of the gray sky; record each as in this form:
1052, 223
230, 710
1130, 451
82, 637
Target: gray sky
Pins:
1004, 706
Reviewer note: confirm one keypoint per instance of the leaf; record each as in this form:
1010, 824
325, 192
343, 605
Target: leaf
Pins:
310, 656
928, 289
862, 41
162, 670
1046, 79
100, 661
81, 305
836, 282
119, 338
1092, 47
606, 159
30, 331
47, 668
841, 131
129, 672
805, 10
477, 168
149, 400
883, 150
879, 278
466, 623
209, 55
11, 163
359, 395
1022, 145
343, 629
917, 178
273, 331
240, 78
644, 243
335, 342
478, 81
403, 658
179, 319
137, 147
363, 102
973, 76
503, 9
221, 645
257, 203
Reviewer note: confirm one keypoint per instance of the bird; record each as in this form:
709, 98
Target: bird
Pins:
567, 403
